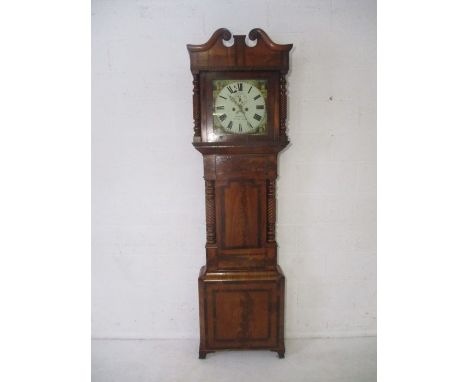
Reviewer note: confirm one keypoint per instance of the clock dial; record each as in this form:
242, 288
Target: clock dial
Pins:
239, 106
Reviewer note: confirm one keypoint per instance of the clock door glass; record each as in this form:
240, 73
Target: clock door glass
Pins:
239, 107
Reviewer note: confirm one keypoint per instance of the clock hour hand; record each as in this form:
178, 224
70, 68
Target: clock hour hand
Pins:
242, 110
234, 100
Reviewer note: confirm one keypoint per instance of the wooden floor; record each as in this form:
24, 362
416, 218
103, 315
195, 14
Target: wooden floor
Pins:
321, 360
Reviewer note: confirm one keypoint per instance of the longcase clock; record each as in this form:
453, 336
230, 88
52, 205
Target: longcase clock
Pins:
239, 111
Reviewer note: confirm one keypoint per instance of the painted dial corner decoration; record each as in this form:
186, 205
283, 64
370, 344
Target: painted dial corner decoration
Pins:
239, 107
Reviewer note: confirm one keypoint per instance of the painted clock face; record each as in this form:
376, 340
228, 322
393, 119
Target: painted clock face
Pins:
239, 107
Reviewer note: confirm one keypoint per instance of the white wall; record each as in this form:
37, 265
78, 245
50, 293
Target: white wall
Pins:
148, 192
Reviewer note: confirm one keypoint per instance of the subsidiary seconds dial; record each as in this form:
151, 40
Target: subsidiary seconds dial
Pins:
240, 108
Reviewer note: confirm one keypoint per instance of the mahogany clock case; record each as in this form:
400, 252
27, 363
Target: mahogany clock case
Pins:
241, 287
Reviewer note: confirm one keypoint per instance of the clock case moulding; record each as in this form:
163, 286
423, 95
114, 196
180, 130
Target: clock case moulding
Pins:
241, 287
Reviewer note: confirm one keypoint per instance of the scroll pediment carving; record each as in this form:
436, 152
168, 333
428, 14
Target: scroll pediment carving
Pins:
264, 54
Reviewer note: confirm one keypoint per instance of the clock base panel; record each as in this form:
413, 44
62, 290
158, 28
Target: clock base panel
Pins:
241, 310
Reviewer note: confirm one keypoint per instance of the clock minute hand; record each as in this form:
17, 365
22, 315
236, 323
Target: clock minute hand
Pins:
234, 100
240, 108
243, 112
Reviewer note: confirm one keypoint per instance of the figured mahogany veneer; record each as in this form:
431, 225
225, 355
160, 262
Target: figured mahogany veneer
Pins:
241, 287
